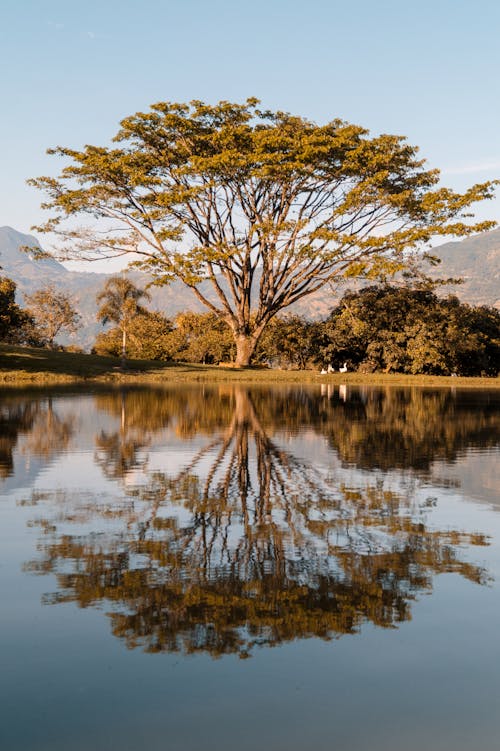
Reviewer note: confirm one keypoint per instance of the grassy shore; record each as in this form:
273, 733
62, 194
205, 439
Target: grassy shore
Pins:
25, 366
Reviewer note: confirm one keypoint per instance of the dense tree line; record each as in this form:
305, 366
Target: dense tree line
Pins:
379, 328
403, 330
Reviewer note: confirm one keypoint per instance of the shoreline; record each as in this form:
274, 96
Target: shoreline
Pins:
27, 367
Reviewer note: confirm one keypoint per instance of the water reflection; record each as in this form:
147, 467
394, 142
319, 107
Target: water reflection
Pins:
247, 543
47, 433
396, 428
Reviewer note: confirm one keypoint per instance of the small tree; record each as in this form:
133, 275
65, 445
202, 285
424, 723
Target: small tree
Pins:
52, 312
119, 303
148, 338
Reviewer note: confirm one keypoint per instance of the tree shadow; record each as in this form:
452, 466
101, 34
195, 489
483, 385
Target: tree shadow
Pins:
42, 361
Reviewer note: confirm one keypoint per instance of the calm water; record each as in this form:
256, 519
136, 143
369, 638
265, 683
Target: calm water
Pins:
237, 569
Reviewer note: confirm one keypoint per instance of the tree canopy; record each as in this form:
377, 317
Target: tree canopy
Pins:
148, 338
265, 205
10, 313
404, 330
16, 325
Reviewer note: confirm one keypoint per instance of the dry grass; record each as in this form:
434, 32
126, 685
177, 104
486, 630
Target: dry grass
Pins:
25, 366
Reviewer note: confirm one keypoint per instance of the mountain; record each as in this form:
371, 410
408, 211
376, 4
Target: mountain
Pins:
476, 260
15, 262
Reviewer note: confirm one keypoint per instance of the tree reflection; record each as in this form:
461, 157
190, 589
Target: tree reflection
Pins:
246, 545
117, 453
424, 425
371, 428
15, 418
50, 433
46, 433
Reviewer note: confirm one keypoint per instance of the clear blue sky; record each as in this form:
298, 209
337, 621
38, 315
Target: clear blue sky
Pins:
429, 70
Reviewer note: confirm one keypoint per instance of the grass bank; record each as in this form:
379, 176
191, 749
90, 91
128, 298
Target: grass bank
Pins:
26, 366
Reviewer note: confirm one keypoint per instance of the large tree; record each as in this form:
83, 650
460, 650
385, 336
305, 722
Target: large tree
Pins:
266, 206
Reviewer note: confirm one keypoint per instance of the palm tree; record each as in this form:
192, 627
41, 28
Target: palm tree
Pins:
119, 303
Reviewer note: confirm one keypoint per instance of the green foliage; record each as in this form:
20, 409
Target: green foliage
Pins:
192, 337
52, 312
16, 324
148, 338
9, 310
403, 330
119, 303
216, 192
287, 342
201, 338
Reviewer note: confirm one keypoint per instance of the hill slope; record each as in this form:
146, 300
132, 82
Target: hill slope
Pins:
476, 260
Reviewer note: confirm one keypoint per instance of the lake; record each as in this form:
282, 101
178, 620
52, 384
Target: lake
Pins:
233, 568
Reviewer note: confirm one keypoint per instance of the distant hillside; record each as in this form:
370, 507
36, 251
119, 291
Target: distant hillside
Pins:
476, 259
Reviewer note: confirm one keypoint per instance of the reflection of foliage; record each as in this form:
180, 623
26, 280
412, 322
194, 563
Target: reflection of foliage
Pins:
247, 545
47, 434
424, 426
143, 413
192, 410
15, 417
50, 434
118, 454
142, 410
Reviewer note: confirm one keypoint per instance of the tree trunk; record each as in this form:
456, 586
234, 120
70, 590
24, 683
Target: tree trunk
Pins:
245, 347
124, 346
